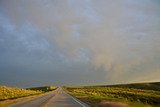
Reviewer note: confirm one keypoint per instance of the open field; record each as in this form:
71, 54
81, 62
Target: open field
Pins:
13, 93
10, 95
134, 95
147, 86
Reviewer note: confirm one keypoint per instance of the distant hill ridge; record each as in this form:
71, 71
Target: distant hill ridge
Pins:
43, 88
147, 86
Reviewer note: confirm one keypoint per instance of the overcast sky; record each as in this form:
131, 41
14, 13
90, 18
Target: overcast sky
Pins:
79, 42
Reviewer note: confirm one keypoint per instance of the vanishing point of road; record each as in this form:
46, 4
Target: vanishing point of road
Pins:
57, 98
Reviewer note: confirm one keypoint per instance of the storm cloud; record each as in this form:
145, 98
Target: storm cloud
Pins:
75, 42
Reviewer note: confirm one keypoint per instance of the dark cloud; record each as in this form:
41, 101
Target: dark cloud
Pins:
79, 42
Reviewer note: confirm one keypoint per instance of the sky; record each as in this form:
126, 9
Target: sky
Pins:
79, 42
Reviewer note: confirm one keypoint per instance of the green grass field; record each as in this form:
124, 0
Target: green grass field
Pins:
13, 93
134, 95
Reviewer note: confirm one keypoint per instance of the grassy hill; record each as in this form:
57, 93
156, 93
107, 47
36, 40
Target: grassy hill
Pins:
134, 95
12, 93
147, 86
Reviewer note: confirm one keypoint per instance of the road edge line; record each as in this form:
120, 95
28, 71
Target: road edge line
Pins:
79, 102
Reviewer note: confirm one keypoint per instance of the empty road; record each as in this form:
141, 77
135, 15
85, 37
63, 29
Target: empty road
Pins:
57, 98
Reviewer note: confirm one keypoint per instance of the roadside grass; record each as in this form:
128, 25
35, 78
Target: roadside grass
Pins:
10, 95
126, 93
13, 93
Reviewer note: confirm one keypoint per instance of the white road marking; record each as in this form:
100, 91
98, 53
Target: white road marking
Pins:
76, 100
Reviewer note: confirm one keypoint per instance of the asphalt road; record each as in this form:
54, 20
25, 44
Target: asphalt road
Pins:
57, 98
